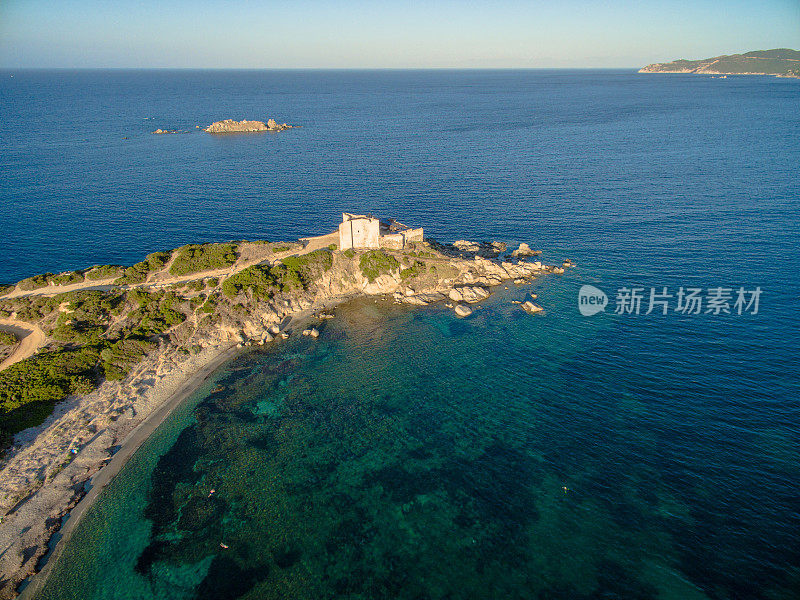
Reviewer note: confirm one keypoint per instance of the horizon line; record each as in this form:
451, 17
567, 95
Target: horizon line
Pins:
6, 68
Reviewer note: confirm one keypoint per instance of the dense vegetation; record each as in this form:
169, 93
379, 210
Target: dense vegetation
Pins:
195, 258
40, 281
37, 281
375, 263
100, 336
7, 339
139, 272
29, 389
292, 273
416, 269
104, 272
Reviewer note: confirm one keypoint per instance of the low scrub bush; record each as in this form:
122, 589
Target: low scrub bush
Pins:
8, 339
195, 258
104, 272
375, 263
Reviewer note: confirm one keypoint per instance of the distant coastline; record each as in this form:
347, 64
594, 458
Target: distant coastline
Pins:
781, 62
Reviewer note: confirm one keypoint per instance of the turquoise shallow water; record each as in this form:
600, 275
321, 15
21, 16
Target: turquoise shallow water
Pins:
410, 454
407, 453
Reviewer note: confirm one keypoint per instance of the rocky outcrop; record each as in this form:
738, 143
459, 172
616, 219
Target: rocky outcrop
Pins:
525, 250
231, 126
466, 248
468, 294
530, 307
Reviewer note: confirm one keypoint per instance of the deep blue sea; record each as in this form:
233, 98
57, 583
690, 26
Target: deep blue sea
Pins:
408, 453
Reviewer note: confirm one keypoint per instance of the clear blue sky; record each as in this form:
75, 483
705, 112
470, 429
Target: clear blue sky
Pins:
377, 33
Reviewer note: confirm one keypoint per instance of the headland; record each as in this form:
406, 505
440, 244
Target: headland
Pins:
121, 346
781, 62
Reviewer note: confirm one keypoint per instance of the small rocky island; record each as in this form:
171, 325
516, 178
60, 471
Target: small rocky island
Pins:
231, 126
781, 62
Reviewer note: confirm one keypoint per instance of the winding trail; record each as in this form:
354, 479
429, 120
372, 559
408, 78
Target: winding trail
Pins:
31, 339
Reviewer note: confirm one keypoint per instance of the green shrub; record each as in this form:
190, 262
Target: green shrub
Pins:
157, 260
418, 268
309, 265
332, 247
349, 253
375, 263
29, 389
263, 281
35, 282
8, 339
138, 273
195, 258
104, 272
277, 249
135, 274
292, 273
152, 314
32, 308
67, 278
207, 307
122, 354
5, 288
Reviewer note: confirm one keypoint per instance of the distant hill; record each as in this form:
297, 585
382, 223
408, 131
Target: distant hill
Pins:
781, 62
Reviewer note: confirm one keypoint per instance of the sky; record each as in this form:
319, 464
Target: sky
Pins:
383, 34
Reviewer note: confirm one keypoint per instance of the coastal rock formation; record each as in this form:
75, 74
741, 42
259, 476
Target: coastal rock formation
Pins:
482, 249
781, 62
231, 126
468, 294
525, 250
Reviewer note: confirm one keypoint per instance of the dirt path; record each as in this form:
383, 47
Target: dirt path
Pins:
31, 339
250, 256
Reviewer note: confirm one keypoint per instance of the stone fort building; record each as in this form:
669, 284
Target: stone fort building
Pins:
366, 231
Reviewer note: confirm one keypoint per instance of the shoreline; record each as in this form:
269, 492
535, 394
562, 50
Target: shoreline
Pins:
140, 434
57, 470
29, 587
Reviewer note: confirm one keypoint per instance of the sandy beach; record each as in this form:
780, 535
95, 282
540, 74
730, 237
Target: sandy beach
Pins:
58, 469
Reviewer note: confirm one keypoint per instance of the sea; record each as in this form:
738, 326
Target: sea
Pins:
638, 439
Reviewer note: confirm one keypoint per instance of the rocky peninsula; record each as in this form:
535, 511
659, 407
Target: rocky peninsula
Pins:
231, 126
781, 62
121, 347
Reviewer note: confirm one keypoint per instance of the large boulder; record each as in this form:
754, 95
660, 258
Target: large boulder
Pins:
530, 307
470, 294
462, 310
